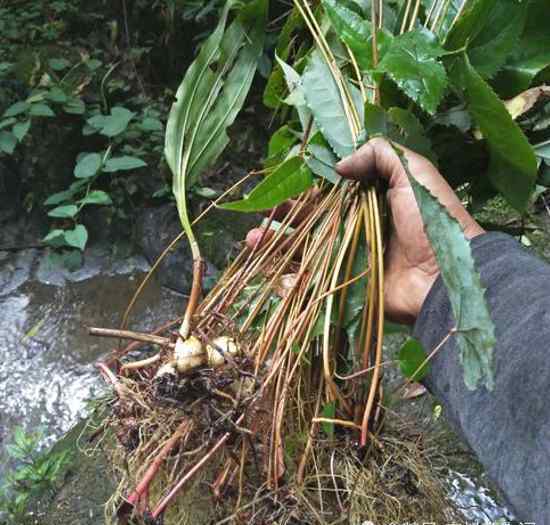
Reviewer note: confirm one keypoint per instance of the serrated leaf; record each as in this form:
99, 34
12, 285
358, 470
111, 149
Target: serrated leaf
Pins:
21, 129
16, 109
64, 212
123, 163
97, 197
470, 24
412, 63
41, 110
475, 336
496, 35
513, 168
353, 29
296, 96
324, 101
77, 237
376, 122
410, 132
291, 178
8, 141
88, 165
412, 360
322, 161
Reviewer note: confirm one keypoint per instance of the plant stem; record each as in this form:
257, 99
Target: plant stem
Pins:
127, 334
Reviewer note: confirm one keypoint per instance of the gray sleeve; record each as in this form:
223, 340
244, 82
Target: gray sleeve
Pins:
508, 428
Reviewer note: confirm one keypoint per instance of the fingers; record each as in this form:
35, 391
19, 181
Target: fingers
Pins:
376, 158
256, 236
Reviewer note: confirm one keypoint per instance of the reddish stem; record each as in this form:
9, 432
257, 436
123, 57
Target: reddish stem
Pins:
135, 498
161, 507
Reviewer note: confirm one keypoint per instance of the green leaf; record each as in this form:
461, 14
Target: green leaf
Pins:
279, 145
59, 197
64, 212
123, 163
21, 129
78, 237
291, 178
410, 132
475, 336
210, 96
41, 110
351, 27
59, 64
206, 193
329, 412
7, 122
296, 95
117, 122
491, 47
151, 124
57, 95
324, 101
55, 238
376, 122
275, 88
96, 197
513, 167
542, 150
530, 55
8, 141
470, 24
411, 62
16, 109
88, 165
412, 357
321, 160
74, 106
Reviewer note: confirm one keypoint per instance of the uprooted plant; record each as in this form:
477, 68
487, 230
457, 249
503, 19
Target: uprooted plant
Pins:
283, 357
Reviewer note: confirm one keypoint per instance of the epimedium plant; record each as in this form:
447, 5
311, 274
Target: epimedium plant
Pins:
428, 78
302, 313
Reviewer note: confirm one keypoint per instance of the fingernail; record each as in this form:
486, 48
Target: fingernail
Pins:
343, 165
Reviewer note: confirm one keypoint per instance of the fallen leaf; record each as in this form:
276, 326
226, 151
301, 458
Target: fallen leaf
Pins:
413, 390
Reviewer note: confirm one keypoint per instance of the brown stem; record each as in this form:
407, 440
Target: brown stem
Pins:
161, 507
136, 496
112, 379
196, 290
127, 334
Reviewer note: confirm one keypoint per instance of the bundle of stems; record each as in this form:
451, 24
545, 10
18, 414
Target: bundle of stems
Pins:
282, 303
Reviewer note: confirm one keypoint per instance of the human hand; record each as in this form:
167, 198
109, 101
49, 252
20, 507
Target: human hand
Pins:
410, 264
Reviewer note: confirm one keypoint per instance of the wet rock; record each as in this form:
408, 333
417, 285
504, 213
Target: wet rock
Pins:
219, 234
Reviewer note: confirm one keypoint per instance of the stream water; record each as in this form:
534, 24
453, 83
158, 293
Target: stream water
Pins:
47, 368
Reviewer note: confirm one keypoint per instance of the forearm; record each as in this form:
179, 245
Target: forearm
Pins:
508, 428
